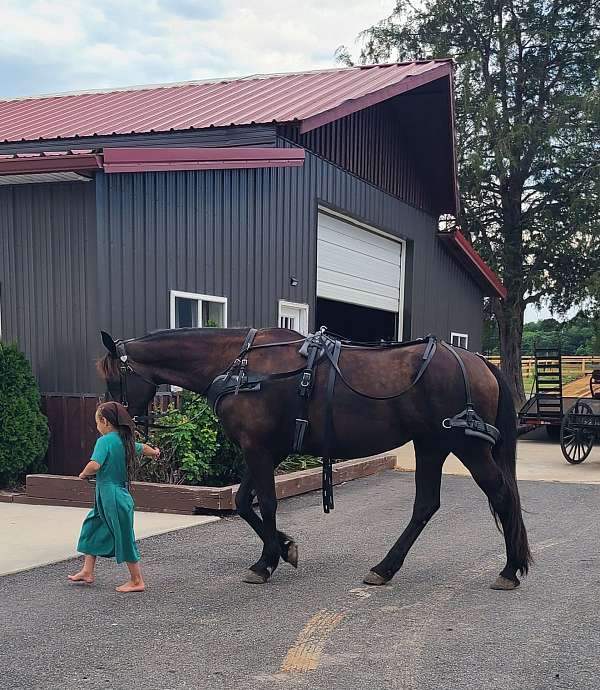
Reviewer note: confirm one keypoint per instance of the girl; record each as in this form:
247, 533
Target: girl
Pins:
108, 528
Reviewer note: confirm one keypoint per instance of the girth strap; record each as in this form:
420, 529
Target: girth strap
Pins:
468, 419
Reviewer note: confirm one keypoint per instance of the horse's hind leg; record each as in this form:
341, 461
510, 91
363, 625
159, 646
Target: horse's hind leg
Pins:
428, 477
243, 504
505, 505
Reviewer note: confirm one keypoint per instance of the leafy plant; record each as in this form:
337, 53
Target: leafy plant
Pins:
23, 427
194, 450
294, 463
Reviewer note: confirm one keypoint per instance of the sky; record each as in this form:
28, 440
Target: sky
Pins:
53, 46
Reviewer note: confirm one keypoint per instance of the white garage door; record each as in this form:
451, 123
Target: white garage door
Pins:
357, 266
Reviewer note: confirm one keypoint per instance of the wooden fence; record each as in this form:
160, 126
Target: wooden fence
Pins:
73, 428
571, 365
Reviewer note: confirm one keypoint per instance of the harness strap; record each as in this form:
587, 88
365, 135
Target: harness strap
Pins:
461, 364
428, 354
307, 380
327, 486
473, 424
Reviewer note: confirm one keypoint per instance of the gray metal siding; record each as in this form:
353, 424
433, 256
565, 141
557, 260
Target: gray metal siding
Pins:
47, 274
231, 233
370, 144
218, 136
243, 234
78, 257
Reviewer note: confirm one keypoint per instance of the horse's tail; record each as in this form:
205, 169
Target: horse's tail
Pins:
505, 456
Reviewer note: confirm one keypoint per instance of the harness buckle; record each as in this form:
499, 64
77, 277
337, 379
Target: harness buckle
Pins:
306, 379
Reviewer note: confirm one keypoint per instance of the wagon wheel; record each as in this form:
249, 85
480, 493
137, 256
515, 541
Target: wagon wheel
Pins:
576, 442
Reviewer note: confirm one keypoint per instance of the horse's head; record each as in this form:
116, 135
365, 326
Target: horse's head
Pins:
126, 381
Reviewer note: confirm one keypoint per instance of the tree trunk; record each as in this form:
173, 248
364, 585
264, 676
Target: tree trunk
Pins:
509, 315
510, 312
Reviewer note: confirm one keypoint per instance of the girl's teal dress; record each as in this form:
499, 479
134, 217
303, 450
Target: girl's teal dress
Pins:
108, 528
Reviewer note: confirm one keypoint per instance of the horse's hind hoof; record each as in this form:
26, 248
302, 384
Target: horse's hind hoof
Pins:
503, 583
254, 578
373, 578
292, 554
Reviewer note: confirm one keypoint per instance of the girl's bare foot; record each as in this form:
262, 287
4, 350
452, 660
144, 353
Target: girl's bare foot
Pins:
82, 577
131, 586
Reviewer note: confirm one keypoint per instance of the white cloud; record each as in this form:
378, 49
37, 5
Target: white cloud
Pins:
63, 45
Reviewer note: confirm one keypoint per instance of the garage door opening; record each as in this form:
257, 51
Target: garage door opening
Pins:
359, 280
355, 322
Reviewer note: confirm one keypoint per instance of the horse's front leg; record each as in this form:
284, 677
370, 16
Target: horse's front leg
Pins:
261, 467
243, 503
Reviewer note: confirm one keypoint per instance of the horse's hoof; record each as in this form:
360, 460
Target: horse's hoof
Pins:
254, 578
503, 583
373, 578
292, 554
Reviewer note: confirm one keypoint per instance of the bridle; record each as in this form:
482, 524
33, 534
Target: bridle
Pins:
125, 368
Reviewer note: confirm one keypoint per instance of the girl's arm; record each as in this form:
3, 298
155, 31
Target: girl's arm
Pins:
89, 470
149, 451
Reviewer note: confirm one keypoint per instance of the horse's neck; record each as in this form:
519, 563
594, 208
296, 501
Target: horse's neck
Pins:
189, 362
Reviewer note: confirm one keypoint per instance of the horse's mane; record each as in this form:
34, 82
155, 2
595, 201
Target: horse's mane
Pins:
107, 366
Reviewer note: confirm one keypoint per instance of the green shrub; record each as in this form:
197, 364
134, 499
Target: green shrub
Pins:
195, 450
23, 427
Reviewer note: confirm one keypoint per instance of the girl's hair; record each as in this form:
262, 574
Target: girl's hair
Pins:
116, 415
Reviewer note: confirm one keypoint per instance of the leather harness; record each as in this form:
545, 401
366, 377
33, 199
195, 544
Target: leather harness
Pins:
318, 348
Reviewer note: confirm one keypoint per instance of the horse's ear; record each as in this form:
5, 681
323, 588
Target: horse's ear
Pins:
109, 343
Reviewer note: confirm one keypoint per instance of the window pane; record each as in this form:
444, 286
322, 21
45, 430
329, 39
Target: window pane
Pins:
186, 313
213, 314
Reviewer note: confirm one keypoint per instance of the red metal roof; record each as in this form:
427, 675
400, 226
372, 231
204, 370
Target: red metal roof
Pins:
312, 98
474, 264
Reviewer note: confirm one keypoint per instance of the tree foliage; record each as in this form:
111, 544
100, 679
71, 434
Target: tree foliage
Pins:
576, 336
528, 119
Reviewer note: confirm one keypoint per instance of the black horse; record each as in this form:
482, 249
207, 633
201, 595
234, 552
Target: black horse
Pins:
262, 423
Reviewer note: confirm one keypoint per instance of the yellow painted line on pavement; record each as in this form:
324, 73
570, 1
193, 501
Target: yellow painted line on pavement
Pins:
305, 654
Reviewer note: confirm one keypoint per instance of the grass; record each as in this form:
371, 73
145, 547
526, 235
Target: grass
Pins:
528, 381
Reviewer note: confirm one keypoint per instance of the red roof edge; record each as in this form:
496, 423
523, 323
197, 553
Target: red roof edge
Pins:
115, 160
353, 105
143, 159
474, 264
75, 162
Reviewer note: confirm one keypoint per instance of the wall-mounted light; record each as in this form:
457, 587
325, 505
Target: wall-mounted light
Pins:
293, 281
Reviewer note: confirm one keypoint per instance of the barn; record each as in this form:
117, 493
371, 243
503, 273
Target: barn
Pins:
295, 199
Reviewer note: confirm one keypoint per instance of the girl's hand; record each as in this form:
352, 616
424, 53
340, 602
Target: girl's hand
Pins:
156, 452
83, 476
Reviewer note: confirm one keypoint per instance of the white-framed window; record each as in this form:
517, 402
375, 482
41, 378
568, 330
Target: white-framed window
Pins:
294, 316
190, 310
460, 340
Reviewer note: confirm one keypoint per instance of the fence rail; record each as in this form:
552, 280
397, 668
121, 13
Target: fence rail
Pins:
73, 429
571, 364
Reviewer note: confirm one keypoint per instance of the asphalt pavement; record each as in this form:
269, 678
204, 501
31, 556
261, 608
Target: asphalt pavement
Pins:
437, 626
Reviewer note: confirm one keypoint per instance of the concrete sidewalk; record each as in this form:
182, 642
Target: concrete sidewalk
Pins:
538, 459
32, 536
